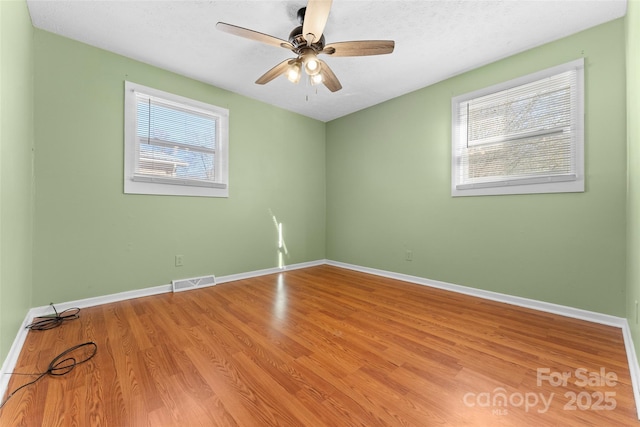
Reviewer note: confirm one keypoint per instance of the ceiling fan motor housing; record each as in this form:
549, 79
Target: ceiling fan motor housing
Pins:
296, 38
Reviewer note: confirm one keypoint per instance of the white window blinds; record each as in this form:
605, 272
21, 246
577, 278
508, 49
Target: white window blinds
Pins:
525, 134
176, 143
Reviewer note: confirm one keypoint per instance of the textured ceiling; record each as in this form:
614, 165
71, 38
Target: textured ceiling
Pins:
435, 40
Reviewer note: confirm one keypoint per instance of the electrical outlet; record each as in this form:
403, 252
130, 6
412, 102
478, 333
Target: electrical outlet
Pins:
408, 255
179, 260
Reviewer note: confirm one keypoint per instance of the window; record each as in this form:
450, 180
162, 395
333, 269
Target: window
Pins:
522, 136
174, 145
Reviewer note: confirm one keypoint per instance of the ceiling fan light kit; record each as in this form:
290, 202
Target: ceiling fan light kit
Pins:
307, 42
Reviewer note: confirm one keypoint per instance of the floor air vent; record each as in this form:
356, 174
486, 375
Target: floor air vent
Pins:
193, 283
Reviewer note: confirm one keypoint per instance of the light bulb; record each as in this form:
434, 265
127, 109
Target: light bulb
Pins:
294, 72
312, 66
311, 63
316, 79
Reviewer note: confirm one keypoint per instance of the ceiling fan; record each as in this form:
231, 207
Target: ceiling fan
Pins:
307, 42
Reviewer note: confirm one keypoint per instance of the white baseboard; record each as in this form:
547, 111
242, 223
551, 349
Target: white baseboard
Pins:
105, 299
145, 292
548, 307
12, 358
634, 367
274, 270
605, 319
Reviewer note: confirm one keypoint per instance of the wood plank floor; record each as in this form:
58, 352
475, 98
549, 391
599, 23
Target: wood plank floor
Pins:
325, 346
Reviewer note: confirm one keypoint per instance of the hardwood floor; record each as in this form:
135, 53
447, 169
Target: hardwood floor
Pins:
325, 346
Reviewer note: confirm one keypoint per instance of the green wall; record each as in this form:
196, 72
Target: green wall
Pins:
633, 182
16, 168
388, 190
93, 240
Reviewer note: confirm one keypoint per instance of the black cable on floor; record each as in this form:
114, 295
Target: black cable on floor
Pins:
60, 365
53, 320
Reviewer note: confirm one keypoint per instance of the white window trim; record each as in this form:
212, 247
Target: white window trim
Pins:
136, 184
557, 184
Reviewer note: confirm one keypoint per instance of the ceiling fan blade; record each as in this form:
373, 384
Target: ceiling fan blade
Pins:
315, 19
360, 48
276, 71
328, 78
253, 35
